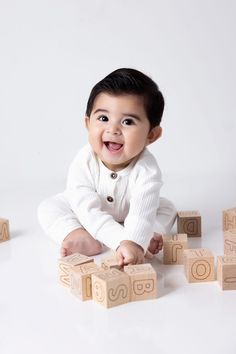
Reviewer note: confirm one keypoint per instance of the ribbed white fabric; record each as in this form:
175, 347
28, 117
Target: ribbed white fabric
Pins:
135, 194
134, 214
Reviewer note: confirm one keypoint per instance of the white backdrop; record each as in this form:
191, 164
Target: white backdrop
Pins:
51, 54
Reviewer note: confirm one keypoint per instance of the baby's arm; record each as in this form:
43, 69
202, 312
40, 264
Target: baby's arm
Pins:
144, 202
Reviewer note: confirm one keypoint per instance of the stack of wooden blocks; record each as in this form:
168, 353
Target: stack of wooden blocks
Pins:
107, 284
198, 262
110, 285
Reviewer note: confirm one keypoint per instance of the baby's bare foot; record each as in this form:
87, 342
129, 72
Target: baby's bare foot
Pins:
81, 241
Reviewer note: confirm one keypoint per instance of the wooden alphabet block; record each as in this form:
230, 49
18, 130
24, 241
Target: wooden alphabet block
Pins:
143, 281
110, 288
67, 263
109, 263
230, 242
226, 272
229, 219
4, 230
173, 248
199, 265
80, 280
189, 222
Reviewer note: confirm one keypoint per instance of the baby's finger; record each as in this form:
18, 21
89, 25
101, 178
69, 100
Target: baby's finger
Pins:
120, 258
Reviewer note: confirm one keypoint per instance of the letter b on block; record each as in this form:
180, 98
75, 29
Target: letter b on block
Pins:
143, 281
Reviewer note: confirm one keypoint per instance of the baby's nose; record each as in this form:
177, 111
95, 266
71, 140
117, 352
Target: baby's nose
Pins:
114, 129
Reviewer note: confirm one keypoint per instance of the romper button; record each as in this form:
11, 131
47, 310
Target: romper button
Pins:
110, 199
114, 175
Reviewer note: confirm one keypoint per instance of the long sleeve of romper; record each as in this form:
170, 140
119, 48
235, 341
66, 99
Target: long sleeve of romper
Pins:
144, 202
87, 204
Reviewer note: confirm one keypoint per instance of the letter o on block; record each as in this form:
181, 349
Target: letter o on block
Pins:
201, 269
199, 265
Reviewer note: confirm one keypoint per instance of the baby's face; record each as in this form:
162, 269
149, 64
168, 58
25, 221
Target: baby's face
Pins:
118, 129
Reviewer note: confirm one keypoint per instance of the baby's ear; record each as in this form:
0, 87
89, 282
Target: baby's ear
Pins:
87, 122
154, 134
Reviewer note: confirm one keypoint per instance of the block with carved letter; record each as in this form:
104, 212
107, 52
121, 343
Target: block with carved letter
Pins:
4, 230
189, 222
230, 242
143, 281
110, 288
80, 280
226, 272
109, 263
173, 248
199, 265
229, 219
67, 263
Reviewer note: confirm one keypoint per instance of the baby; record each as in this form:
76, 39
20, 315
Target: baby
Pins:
113, 187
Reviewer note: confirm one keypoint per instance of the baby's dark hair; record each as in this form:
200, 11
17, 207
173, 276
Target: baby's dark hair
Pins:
131, 81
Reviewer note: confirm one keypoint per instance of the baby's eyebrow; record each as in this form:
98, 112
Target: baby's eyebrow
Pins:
101, 110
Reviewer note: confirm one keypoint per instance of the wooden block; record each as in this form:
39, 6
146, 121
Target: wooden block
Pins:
189, 222
4, 230
230, 242
110, 288
109, 263
199, 265
173, 248
143, 281
80, 280
226, 272
229, 219
67, 263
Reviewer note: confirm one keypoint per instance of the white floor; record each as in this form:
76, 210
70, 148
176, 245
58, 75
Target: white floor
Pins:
37, 315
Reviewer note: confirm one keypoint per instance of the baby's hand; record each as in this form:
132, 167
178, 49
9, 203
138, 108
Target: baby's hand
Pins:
129, 252
155, 245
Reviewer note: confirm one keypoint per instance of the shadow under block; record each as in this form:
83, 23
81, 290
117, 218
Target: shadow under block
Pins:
229, 219
230, 242
189, 222
109, 263
80, 280
226, 272
173, 248
110, 288
4, 230
67, 263
199, 265
143, 281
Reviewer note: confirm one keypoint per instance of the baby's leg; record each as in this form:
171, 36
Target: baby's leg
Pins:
166, 215
61, 224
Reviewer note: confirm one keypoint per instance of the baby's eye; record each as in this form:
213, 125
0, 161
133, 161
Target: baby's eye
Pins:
103, 118
128, 121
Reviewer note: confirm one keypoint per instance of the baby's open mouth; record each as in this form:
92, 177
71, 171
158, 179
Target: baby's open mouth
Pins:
111, 146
